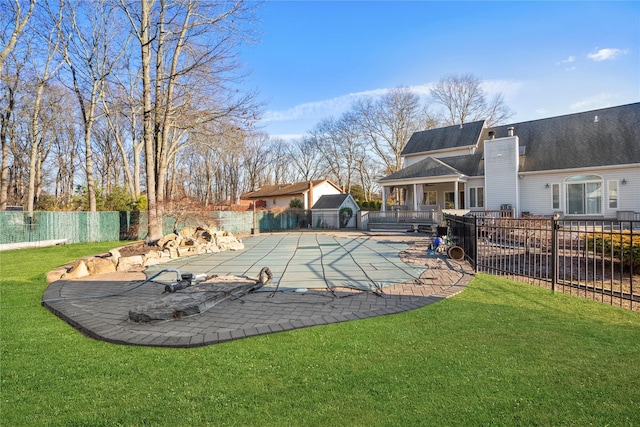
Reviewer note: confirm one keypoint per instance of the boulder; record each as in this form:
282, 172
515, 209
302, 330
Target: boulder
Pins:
56, 274
163, 242
128, 262
187, 232
229, 243
97, 265
115, 253
78, 269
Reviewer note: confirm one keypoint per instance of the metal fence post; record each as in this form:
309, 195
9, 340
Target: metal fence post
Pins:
475, 244
555, 257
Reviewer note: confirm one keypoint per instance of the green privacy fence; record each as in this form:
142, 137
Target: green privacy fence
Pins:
79, 227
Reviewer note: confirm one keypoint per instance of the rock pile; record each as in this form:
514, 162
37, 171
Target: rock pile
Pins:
188, 241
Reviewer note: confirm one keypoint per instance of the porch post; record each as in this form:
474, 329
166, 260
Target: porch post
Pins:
383, 208
455, 194
415, 197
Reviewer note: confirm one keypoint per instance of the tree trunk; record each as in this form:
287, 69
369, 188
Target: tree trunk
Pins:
154, 221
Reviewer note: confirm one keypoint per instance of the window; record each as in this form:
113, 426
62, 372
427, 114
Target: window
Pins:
449, 200
555, 190
430, 198
584, 195
477, 197
613, 194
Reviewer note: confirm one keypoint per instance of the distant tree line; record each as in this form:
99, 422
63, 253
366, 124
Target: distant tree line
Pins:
137, 104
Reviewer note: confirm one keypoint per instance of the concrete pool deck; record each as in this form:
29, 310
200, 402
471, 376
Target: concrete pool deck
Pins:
318, 278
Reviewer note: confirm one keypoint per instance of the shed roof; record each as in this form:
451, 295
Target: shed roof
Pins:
330, 201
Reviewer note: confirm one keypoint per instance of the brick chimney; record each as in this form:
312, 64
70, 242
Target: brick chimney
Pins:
310, 195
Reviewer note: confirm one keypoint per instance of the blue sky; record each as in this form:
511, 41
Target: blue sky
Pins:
315, 58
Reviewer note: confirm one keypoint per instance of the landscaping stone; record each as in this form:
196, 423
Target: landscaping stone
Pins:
78, 269
188, 242
126, 263
97, 265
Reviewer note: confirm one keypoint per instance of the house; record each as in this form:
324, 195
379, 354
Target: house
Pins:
281, 195
583, 165
326, 212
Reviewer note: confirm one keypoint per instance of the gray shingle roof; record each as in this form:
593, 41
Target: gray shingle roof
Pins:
604, 137
578, 140
330, 201
274, 190
425, 168
448, 137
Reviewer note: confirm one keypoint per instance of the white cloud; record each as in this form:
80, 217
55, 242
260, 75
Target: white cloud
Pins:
606, 54
338, 105
570, 59
601, 100
288, 136
323, 108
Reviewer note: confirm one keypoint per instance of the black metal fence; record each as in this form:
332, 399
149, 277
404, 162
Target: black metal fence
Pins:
593, 259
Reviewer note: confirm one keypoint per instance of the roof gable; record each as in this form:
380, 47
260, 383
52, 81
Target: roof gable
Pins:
445, 138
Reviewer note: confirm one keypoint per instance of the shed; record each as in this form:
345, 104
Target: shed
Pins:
326, 211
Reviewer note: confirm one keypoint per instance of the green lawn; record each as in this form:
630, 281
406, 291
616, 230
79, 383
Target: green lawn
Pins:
499, 353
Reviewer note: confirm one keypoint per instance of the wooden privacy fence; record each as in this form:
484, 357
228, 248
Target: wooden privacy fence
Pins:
595, 259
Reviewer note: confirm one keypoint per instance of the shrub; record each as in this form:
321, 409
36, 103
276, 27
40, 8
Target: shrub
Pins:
617, 246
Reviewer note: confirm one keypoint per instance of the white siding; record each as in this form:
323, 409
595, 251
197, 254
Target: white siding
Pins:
536, 198
320, 190
501, 172
330, 218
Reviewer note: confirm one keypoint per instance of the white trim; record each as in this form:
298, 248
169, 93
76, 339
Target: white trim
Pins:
577, 170
409, 181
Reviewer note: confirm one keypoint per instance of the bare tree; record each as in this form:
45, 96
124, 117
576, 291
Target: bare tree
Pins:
12, 28
185, 46
122, 110
389, 122
341, 143
277, 156
44, 68
257, 161
90, 53
464, 100
10, 79
305, 159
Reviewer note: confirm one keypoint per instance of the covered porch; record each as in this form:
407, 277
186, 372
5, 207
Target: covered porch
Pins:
425, 196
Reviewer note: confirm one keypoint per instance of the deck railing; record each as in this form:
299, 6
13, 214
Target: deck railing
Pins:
404, 217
